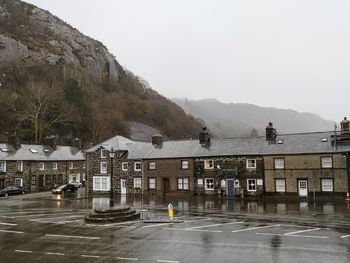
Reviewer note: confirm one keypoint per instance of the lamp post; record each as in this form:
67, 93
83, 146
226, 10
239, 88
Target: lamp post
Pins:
111, 199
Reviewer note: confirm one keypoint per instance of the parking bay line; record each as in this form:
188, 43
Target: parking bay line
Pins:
283, 235
167, 261
8, 224
65, 236
23, 251
301, 231
214, 225
131, 259
193, 230
253, 228
54, 253
165, 223
11, 231
345, 236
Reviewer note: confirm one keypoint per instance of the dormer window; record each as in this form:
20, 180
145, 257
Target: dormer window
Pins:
46, 150
280, 142
6, 150
324, 140
104, 153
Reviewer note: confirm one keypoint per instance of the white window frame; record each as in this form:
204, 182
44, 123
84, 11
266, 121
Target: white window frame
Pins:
250, 185
41, 166
329, 186
137, 183
184, 164
20, 164
70, 165
326, 162
207, 183
279, 163
54, 166
280, 185
103, 167
209, 164
101, 183
104, 153
2, 166
182, 183
152, 183
136, 169
251, 163
125, 166
152, 165
20, 180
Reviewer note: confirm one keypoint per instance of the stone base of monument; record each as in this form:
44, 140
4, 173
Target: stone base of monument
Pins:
114, 215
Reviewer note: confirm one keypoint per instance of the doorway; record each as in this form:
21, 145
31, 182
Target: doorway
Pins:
302, 188
166, 185
123, 186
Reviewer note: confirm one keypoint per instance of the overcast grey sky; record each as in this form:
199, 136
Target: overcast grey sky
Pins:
277, 53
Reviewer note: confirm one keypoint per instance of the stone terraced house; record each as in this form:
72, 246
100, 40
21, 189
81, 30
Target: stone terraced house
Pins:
290, 164
40, 167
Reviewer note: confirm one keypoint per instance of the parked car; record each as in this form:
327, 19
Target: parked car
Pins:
64, 188
12, 190
76, 184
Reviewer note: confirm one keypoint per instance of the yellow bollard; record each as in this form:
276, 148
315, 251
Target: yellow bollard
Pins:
171, 212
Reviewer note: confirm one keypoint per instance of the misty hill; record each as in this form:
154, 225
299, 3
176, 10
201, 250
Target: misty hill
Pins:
238, 119
55, 80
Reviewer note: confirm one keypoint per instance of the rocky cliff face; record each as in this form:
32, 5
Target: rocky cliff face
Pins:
98, 98
21, 41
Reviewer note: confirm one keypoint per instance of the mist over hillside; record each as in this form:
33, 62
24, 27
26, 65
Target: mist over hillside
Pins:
227, 120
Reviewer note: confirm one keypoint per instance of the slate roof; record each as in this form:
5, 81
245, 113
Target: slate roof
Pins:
33, 152
301, 143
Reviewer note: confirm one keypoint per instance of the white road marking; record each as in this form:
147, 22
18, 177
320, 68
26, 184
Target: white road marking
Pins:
8, 224
133, 259
160, 224
271, 234
10, 231
54, 217
58, 223
115, 224
167, 261
193, 230
64, 236
89, 256
197, 227
23, 251
301, 231
198, 220
252, 228
11, 217
54, 253
345, 236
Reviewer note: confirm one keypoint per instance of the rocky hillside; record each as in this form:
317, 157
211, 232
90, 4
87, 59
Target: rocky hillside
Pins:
55, 80
227, 120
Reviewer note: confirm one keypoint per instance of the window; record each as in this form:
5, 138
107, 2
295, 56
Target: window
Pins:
279, 163
103, 168
33, 179
251, 163
152, 183
124, 166
101, 183
33, 151
70, 165
104, 153
152, 165
2, 166
137, 183
18, 182
184, 164
41, 166
327, 185
137, 166
209, 184
182, 183
19, 166
54, 166
251, 185
209, 164
280, 185
326, 162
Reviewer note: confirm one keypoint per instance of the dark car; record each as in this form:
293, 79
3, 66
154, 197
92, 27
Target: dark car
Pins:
12, 190
64, 188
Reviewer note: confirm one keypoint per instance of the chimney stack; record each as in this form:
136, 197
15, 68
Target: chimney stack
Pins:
204, 137
76, 143
271, 133
51, 141
157, 140
345, 126
14, 141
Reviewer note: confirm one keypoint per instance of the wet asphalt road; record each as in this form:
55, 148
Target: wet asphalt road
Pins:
48, 228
